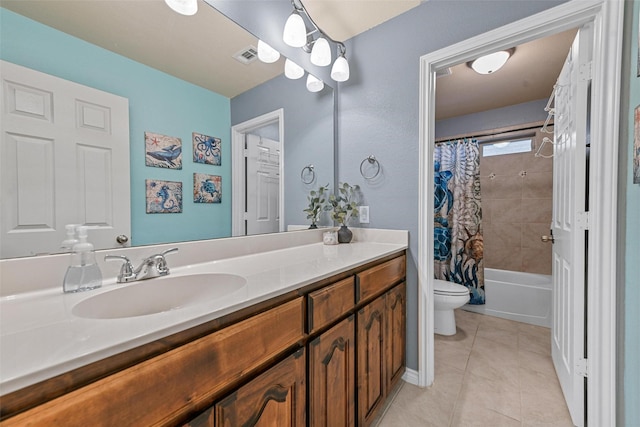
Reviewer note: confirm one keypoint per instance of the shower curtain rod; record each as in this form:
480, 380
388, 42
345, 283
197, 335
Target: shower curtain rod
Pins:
494, 134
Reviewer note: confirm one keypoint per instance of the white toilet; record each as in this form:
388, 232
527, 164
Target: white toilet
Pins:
447, 297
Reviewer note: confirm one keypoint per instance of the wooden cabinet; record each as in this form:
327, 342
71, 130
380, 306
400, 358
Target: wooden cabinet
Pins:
274, 398
371, 360
395, 338
324, 355
332, 377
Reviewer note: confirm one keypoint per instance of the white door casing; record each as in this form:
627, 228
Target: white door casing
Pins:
263, 185
607, 18
568, 226
65, 160
238, 184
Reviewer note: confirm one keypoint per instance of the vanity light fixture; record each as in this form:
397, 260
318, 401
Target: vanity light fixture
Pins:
183, 7
492, 62
266, 53
314, 84
296, 35
321, 53
295, 32
292, 70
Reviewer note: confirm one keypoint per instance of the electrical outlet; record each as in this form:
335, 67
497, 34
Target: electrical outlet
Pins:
363, 213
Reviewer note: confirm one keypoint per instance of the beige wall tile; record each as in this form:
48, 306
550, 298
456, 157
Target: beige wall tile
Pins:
537, 260
506, 210
507, 187
537, 185
509, 164
502, 235
537, 210
504, 258
532, 233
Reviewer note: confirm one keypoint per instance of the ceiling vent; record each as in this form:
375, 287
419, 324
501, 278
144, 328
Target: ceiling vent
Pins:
443, 72
247, 55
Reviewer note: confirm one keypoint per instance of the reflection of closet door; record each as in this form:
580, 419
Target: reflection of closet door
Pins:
65, 160
263, 185
569, 223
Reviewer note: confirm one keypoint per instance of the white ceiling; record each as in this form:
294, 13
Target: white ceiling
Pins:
200, 48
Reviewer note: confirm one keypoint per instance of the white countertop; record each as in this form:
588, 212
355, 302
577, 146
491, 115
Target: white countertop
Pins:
41, 338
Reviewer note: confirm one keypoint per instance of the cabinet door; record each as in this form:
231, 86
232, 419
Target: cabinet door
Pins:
275, 398
395, 338
371, 360
332, 377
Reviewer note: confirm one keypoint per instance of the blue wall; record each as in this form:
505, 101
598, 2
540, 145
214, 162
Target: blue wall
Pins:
629, 231
378, 111
158, 103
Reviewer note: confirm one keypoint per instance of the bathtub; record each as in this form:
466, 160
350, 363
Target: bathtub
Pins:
523, 297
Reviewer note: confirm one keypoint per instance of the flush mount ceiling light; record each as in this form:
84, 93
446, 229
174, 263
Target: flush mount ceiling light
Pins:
491, 63
296, 35
266, 53
183, 7
292, 70
314, 84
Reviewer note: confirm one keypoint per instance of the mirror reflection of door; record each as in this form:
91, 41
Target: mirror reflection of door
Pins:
262, 184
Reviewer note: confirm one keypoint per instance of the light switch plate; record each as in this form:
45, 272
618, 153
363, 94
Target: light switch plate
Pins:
363, 213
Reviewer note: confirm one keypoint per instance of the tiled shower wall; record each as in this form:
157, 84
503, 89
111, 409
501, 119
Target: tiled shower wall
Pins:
517, 203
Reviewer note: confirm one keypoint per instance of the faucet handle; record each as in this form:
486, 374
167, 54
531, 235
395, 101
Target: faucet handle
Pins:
126, 271
169, 251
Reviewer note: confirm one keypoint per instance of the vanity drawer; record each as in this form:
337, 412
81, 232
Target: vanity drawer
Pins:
161, 390
329, 303
377, 279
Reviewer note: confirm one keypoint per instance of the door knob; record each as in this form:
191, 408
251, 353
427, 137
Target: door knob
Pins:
547, 239
122, 239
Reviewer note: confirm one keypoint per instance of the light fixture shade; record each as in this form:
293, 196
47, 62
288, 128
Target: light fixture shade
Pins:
314, 84
321, 53
490, 63
295, 32
266, 53
183, 7
340, 69
292, 70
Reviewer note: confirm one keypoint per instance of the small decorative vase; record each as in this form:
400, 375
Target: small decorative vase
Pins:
313, 226
344, 234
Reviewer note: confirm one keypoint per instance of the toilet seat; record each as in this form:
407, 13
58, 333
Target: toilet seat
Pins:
443, 287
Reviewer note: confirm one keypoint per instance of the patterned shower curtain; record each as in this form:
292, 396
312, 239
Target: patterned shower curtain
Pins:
458, 244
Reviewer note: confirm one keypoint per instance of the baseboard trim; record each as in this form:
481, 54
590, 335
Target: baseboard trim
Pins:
410, 376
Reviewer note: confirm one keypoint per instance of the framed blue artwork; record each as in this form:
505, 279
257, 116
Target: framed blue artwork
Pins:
207, 149
162, 151
163, 196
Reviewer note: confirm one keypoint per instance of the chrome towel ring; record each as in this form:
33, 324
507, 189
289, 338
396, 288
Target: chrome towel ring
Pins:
372, 161
310, 175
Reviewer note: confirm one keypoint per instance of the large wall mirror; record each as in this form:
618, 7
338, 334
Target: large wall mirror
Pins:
176, 87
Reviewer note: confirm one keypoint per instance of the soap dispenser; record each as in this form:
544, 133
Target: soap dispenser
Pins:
83, 273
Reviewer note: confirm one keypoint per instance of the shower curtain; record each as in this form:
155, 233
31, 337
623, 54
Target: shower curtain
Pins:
458, 244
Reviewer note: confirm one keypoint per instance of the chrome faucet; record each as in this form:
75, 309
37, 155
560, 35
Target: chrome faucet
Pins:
153, 266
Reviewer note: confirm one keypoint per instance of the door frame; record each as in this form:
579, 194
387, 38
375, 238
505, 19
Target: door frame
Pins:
238, 167
607, 18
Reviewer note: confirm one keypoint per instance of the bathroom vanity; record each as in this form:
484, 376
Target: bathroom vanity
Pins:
324, 347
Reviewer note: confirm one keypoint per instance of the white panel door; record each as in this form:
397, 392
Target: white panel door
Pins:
263, 185
569, 222
65, 160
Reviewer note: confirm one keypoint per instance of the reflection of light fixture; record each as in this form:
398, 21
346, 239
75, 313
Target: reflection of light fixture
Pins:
314, 84
266, 53
183, 7
501, 144
491, 63
340, 69
295, 34
292, 70
321, 53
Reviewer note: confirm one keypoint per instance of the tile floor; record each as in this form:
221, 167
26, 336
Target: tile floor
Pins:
493, 372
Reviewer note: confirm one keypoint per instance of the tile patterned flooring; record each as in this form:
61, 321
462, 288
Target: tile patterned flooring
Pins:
493, 372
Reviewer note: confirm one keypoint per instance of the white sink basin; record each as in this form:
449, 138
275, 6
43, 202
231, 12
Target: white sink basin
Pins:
159, 295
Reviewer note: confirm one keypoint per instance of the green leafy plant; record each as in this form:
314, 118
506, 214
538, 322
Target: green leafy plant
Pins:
317, 201
344, 205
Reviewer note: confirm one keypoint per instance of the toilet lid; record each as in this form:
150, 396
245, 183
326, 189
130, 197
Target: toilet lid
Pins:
443, 287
